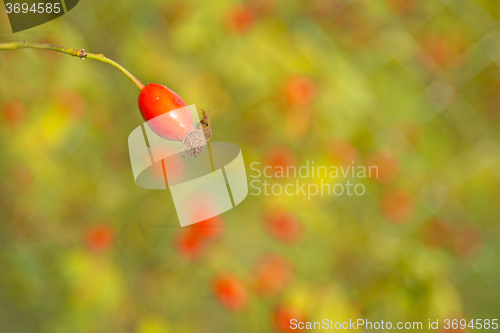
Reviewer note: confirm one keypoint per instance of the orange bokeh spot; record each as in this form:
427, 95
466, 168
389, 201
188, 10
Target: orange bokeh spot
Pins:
397, 206
13, 112
70, 104
280, 157
263, 7
404, 7
342, 152
387, 166
173, 166
300, 91
441, 50
467, 241
437, 233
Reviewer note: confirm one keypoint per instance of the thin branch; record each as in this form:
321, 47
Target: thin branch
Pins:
73, 52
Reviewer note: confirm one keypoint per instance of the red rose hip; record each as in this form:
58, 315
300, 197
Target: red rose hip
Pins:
156, 100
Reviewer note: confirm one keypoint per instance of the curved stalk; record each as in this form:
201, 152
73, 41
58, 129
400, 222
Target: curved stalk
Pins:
80, 53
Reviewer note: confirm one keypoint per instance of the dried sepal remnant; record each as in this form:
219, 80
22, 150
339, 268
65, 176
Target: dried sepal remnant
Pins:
205, 121
205, 124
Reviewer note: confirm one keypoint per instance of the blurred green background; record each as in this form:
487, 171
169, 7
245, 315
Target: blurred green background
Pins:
410, 86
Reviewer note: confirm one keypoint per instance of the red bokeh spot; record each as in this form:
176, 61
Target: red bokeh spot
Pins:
192, 239
100, 238
240, 19
284, 226
189, 245
282, 317
272, 274
209, 229
230, 292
